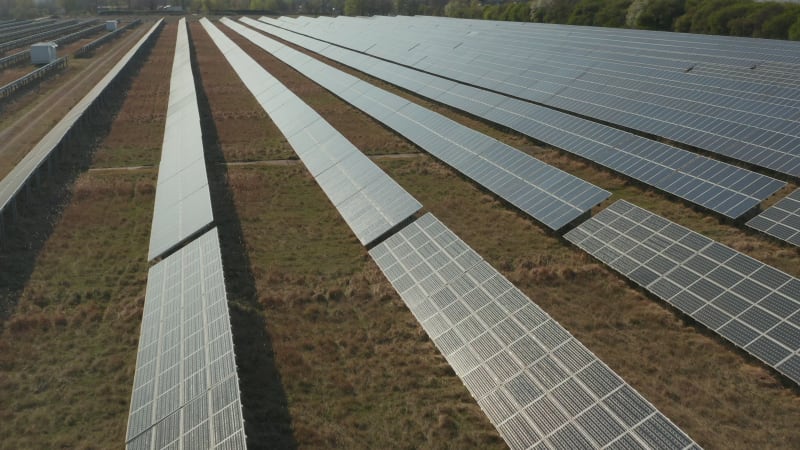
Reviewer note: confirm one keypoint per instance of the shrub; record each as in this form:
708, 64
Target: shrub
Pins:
585, 11
777, 26
463, 9
660, 14
717, 21
552, 11
697, 15
612, 14
794, 30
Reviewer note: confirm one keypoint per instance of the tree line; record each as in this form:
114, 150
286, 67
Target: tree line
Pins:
723, 17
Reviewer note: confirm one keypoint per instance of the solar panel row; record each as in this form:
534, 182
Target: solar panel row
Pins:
369, 200
538, 385
747, 63
186, 391
736, 132
44, 35
778, 79
547, 194
782, 220
8, 35
18, 24
753, 305
611, 411
718, 186
767, 61
183, 202
21, 174
760, 61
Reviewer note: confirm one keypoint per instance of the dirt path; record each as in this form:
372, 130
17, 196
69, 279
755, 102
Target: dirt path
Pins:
119, 169
20, 134
264, 162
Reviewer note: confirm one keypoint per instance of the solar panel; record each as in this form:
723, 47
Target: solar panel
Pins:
678, 58
721, 187
45, 34
369, 200
186, 390
747, 59
755, 129
18, 32
183, 201
782, 220
749, 303
16, 180
538, 385
547, 194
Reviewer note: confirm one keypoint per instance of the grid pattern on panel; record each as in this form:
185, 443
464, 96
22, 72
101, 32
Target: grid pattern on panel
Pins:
718, 186
643, 58
753, 305
537, 384
366, 197
743, 63
639, 55
745, 125
546, 193
186, 390
183, 202
781, 220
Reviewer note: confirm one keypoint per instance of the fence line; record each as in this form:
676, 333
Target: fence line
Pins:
4, 47
79, 34
86, 50
15, 34
24, 55
16, 58
39, 74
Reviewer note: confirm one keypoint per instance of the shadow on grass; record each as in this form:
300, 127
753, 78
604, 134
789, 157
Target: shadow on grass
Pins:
27, 224
266, 413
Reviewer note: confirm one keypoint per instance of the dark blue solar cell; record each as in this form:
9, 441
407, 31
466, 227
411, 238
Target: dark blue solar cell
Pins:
738, 333
768, 350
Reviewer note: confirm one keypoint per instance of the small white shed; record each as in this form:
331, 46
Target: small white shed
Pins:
43, 52
111, 25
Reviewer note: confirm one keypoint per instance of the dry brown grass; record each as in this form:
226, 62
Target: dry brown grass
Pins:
138, 130
67, 353
369, 136
245, 131
357, 370
352, 366
68, 349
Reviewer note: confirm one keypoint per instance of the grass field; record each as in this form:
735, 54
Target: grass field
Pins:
328, 354
67, 353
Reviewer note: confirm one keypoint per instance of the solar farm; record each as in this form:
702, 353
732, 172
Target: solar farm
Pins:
397, 232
